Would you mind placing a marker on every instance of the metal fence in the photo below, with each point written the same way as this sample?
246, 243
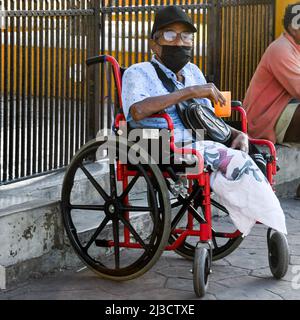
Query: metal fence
43, 108
51, 103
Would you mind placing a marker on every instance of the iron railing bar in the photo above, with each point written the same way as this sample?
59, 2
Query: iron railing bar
62, 160
109, 74
57, 120
130, 36
51, 90
123, 61
136, 40
46, 96
23, 98
102, 67
204, 40
29, 97
1, 102
77, 86
35, 136
117, 32
41, 76
18, 102
143, 31
5, 97
83, 80
11, 111
72, 83
67, 109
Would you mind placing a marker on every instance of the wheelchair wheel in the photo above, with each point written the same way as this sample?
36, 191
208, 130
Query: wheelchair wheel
278, 254
111, 226
201, 271
223, 239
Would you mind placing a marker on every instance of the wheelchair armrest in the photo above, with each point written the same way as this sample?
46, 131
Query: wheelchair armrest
237, 106
181, 151
272, 149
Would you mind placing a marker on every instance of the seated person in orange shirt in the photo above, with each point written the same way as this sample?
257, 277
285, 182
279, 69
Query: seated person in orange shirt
272, 101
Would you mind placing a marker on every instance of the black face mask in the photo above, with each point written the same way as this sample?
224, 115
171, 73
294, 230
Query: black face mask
176, 57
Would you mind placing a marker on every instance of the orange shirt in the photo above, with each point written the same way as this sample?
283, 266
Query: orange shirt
275, 82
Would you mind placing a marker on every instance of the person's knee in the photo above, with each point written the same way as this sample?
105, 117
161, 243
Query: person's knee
293, 131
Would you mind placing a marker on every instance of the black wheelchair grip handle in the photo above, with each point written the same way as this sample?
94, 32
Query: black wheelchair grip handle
236, 104
95, 60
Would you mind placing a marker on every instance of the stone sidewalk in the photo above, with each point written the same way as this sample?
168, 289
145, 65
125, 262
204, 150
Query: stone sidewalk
242, 275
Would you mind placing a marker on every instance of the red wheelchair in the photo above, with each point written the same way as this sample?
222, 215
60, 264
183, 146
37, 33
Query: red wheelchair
120, 217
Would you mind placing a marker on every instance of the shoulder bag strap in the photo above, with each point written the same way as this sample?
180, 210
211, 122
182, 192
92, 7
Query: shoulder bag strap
170, 86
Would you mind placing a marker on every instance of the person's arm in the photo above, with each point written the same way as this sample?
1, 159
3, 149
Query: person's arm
152, 105
286, 70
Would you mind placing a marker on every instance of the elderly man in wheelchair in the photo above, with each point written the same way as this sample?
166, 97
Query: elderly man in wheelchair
172, 219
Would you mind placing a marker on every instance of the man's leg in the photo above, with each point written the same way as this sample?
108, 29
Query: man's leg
293, 131
242, 188
293, 135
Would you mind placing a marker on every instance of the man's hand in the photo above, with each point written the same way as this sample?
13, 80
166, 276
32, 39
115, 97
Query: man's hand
209, 91
240, 141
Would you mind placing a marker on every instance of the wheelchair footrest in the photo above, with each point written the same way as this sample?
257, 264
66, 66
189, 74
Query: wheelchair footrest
102, 243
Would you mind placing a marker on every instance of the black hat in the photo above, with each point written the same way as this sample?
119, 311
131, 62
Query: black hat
168, 15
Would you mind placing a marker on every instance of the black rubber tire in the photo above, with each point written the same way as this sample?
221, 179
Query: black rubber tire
201, 271
279, 256
162, 230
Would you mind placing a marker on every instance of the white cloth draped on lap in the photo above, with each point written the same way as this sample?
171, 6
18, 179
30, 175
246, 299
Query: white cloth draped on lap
242, 188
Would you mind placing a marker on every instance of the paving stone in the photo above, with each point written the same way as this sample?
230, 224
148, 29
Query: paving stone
291, 207
255, 243
255, 285
183, 272
267, 274
94, 294
295, 260
293, 227
248, 259
225, 272
294, 239
246, 294
179, 261
180, 284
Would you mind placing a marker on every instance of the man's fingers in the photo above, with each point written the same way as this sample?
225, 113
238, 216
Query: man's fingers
234, 144
222, 99
218, 94
213, 95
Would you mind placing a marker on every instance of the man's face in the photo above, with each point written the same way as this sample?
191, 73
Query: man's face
295, 33
179, 27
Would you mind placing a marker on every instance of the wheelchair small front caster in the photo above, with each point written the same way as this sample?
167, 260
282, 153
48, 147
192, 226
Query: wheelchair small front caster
201, 271
278, 250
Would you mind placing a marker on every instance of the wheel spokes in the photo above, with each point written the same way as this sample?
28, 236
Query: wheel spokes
129, 187
137, 209
199, 217
87, 207
95, 235
116, 243
94, 183
185, 206
134, 233
112, 178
